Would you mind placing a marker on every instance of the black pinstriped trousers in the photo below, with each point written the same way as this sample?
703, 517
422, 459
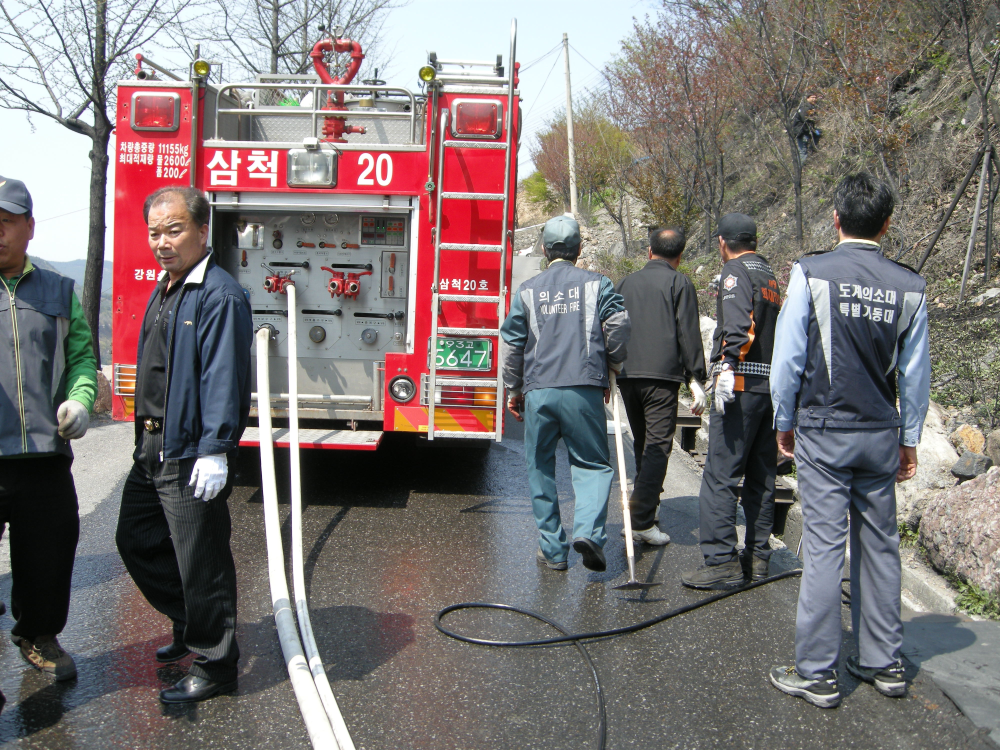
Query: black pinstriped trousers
176, 548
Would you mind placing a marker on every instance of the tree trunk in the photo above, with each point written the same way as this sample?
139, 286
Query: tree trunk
94, 274
797, 184
275, 14
708, 231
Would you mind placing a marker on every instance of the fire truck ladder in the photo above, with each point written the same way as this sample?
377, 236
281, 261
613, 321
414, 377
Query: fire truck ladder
499, 299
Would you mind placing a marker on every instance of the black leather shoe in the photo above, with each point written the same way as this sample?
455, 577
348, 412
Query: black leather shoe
593, 556
192, 689
174, 652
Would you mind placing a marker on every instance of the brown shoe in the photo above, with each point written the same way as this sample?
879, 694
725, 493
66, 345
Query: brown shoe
45, 654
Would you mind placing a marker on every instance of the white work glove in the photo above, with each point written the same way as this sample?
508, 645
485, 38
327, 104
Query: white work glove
700, 398
724, 386
208, 476
73, 418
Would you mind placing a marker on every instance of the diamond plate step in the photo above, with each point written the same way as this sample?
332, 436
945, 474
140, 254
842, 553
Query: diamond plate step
476, 144
468, 331
471, 247
348, 440
473, 196
468, 298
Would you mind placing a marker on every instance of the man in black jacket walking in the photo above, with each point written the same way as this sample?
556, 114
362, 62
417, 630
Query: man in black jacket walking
666, 351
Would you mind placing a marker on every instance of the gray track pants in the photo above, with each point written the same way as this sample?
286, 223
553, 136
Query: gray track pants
841, 473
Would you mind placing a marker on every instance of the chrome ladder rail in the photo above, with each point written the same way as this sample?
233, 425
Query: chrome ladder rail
501, 297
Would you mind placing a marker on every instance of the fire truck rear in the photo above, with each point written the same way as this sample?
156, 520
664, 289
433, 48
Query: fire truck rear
391, 212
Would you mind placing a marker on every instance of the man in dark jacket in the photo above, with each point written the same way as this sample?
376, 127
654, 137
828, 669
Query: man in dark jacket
851, 338
804, 128
192, 400
566, 326
666, 351
741, 443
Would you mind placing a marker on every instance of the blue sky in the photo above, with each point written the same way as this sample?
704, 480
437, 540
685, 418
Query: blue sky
54, 163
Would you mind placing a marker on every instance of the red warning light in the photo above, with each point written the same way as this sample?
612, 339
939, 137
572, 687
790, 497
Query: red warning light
160, 111
477, 119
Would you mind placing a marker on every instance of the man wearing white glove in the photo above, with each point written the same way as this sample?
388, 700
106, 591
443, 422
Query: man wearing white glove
48, 383
665, 352
741, 441
192, 400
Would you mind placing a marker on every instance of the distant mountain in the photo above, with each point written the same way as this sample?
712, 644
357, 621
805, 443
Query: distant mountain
75, 269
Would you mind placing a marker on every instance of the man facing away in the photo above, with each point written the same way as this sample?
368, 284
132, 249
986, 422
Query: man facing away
192, 400
741, 436
48, 383
854, 326
666, 350
566, 326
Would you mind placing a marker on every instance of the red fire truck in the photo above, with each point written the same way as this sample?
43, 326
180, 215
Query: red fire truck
391, 211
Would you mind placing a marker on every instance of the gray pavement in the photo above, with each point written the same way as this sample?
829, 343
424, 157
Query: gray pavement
393, 537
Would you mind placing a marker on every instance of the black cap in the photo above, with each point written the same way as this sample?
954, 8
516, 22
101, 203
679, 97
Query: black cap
736, 227
14, 196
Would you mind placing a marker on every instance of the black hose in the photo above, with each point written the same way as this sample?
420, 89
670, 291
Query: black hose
576, 638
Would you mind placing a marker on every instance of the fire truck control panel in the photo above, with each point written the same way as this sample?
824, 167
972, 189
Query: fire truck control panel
351, 272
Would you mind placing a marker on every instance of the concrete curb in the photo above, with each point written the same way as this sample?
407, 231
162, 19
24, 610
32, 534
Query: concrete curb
923, 588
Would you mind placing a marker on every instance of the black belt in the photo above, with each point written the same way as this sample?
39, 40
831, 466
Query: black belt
152, 424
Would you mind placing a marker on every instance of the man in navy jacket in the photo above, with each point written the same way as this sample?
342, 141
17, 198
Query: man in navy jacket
851, 340
192, 400
565, 328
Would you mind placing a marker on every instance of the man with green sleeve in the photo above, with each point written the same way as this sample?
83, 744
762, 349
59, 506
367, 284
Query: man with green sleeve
565, 328
48, 383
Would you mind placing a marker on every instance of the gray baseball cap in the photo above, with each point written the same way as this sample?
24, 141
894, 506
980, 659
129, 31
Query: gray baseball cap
561, 230
14, 196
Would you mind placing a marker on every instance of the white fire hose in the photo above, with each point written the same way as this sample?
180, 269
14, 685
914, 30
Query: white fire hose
317, 724
298, 572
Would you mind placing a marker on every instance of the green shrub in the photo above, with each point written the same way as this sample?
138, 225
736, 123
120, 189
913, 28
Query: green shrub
908, 537
975, 601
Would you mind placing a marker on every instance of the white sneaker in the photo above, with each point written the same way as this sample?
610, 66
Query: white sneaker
652, 536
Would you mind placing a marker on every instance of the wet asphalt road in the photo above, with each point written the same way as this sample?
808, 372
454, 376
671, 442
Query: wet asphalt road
396, 535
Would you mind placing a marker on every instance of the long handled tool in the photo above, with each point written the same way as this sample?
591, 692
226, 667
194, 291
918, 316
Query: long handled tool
632, 584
